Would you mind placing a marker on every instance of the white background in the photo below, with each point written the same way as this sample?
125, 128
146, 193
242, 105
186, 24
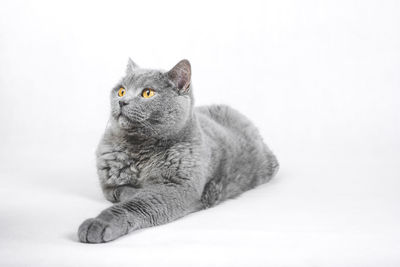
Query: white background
319, 78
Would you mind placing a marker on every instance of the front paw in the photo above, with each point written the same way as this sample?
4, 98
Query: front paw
96, 230
120, 193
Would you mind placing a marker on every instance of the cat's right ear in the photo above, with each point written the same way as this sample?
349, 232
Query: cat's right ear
131, 66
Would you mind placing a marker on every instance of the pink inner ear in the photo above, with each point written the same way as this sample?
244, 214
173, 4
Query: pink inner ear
180, 74
183, 83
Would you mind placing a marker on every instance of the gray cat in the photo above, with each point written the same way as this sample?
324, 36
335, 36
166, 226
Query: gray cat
161, 158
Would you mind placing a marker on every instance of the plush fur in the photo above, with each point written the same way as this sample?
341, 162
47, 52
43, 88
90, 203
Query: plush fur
161, 158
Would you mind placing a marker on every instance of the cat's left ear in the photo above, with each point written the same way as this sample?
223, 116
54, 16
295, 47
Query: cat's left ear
180, 75
131, 66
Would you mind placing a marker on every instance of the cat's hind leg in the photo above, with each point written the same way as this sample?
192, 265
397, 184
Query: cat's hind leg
211, 194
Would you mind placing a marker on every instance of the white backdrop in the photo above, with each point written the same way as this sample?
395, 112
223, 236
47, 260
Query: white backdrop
319, 78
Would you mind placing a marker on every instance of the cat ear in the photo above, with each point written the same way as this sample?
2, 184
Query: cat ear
180, 75
131, 66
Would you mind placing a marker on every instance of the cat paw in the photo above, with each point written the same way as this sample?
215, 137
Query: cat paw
211, 194
95, 230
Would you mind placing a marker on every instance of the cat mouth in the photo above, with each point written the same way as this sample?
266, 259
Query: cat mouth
127, 123
125, 120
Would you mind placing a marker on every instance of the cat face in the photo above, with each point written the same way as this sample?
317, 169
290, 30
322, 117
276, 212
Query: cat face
152, 102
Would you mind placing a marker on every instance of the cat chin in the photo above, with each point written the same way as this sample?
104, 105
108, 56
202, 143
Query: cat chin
125, 123
130, 128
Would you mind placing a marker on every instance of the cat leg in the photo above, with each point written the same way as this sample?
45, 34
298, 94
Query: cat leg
117, 194
148, 207
211, 194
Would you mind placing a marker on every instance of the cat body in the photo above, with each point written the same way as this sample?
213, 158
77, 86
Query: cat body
161, 158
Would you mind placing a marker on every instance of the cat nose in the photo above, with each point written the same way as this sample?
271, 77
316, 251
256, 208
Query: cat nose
122, 103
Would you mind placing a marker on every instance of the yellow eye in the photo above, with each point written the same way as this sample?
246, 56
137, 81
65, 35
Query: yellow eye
147, 93
121, 92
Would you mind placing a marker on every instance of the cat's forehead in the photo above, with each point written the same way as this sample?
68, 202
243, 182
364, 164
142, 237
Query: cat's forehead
145, 78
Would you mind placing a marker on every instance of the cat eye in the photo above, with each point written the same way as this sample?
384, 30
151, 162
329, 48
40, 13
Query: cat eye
147, 93
121, 92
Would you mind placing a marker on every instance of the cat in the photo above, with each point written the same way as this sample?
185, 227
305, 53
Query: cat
161, 158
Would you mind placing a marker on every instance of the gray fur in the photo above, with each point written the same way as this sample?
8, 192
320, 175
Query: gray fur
161, 158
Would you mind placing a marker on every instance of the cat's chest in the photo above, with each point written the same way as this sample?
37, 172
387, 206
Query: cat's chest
126, 167
120, 165
123, 166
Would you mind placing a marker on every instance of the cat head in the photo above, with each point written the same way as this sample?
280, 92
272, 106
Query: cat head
152, 103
